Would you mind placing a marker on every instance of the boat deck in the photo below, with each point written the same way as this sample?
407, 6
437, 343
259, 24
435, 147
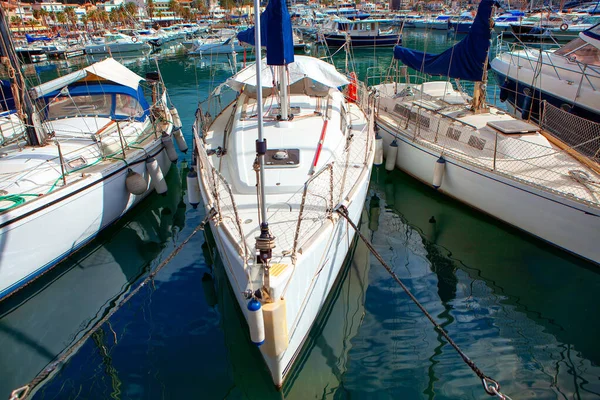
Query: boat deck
326, 187
455, 132
88, 146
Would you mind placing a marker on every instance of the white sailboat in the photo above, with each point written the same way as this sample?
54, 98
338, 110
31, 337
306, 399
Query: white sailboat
273, 199
92, 148
103, 150
515, 171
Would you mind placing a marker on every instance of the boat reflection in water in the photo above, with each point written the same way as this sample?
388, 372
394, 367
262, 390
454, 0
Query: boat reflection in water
37, 323
322, 363
519, 308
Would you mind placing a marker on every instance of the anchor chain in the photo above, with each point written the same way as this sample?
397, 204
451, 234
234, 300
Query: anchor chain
24, 391
491, 386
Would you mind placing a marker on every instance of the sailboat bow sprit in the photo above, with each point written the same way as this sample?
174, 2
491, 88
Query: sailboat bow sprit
317, 149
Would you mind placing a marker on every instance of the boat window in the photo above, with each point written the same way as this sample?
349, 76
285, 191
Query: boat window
581, 51
127, 106
66, 106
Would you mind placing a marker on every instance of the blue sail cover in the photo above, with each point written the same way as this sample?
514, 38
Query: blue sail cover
31, 38
275, 35
465, 60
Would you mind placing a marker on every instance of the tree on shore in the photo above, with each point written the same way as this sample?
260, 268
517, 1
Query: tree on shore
150, 8
71, 16
131, 8
174, 7
61, 18
201, 6
43, 14
92, 16
104, 18
227, 4
186, 14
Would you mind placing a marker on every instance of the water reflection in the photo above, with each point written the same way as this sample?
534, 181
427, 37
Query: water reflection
518, 307
37, 323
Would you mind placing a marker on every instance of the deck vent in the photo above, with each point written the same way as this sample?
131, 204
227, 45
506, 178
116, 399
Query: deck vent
402, 111
476, 142
420, 120
453, 133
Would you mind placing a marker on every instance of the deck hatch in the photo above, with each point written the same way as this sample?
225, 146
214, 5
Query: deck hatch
513, 127
282, 158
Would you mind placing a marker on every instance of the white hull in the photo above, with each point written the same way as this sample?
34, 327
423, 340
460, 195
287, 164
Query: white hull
83, 289
39, 234
331, 245
327, 165
567, 224
337, 324
117, 48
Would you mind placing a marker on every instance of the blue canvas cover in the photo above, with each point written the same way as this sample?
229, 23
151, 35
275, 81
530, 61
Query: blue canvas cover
465, 60
275, 35
7, 101
86, 89
31, 39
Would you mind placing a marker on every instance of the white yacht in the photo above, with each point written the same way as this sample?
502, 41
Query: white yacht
568, 77
273, 171
116, 44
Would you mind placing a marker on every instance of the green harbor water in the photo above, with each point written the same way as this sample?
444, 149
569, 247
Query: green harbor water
522, 310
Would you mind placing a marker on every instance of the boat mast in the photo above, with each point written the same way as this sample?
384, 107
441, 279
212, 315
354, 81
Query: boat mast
265, 242
283, 93
478, 104
261, 144
23, 102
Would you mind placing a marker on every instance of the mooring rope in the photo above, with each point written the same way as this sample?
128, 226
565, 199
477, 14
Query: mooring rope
491, 386
24, 391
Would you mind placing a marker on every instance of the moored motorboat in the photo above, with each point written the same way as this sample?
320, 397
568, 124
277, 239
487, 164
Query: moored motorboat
361, 33
520, 173
117, 43
272, 200
567, 77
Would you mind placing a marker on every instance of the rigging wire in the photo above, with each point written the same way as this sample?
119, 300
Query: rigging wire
491, 386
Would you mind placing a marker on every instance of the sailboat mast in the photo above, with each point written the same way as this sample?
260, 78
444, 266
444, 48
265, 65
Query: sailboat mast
261, 144
23, 102
283, 93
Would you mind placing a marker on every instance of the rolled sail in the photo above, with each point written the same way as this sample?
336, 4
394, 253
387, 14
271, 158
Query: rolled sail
465, 60
275, 35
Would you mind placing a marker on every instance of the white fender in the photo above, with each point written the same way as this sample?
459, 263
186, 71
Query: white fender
256, 322
157, 179
378, 159
135, 183
390, 157
193, 188
176, 120
180, 140
167, 142
438, 172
